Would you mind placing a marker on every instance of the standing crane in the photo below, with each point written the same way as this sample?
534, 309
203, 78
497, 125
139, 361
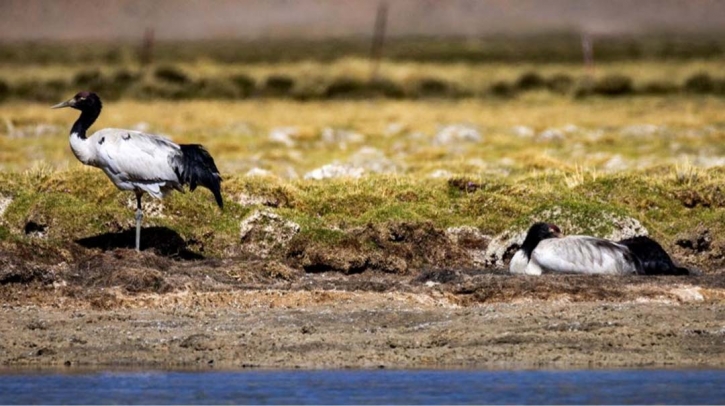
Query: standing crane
138, 161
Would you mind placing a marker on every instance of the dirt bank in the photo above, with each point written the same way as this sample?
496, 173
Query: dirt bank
122, 308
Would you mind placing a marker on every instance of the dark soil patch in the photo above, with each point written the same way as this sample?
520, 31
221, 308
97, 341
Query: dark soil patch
135, 272
397, 248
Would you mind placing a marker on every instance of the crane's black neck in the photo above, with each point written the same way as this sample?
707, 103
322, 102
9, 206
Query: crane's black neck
89, 114
529, 245
537, 233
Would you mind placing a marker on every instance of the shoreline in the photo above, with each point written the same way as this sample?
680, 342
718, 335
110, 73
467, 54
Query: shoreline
342, 322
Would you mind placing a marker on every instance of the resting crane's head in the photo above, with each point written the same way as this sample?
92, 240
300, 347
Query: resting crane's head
537, 233
82, 101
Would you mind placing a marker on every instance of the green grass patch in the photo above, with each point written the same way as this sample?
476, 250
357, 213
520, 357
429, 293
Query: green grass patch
70, 205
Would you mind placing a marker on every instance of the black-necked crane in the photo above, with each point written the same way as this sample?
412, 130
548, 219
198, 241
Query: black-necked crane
545, 250
137, 161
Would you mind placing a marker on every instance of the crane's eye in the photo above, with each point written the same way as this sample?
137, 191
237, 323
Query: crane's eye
81, 99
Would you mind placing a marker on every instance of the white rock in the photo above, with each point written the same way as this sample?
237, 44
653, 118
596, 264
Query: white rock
641, 130
283, 135
335, 170
258, 172
551, 134
708, 161
393, 129
263, 232
688, 294
440, 173
372, 160
522, 131
615, 163
454, 133
508, 241
331, 135
38, 130
624, 227
4, 204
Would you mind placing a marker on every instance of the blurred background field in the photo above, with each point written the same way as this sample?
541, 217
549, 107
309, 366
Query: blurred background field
507, 96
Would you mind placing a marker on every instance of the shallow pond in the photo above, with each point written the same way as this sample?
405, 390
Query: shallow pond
366, 387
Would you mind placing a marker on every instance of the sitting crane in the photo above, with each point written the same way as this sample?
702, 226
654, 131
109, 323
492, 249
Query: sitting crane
137, 161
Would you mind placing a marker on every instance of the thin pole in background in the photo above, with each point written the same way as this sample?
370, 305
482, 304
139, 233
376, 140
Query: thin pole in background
588, 54
146, 54
376, 50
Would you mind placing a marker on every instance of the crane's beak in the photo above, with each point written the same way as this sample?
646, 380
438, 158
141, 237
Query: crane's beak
67, 103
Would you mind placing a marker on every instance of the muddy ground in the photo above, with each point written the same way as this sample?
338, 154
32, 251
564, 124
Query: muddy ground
81, 308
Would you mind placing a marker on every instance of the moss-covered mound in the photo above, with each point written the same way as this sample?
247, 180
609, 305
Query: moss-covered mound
394, 224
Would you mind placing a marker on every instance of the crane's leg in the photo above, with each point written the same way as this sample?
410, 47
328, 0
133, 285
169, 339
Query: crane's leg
139, 217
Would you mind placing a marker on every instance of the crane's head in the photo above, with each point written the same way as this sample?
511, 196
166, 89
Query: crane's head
537, 233
82, 101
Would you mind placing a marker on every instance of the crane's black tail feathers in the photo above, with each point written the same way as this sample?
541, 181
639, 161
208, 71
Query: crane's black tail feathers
198, 169
654, 259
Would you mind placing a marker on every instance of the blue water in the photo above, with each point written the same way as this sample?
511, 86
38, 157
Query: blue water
367, 387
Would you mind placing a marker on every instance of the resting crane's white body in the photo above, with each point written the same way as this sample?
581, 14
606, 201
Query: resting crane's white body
577, 254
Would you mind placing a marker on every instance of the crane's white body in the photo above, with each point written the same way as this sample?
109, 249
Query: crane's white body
133, 160
577, 254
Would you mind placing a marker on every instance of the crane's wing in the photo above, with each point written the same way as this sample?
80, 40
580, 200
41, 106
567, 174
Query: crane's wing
135, 156
584, 254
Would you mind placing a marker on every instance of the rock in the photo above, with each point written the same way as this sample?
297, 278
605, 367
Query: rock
688, 294
335, 170
283, 135
258, 172
263, 232
616, 163
551, 134
394, 129
472, 240
372, 160
624, 227
522, 131
455, 133
331, 135
32, 131
440, 174
502, 248
641, 130
4, 204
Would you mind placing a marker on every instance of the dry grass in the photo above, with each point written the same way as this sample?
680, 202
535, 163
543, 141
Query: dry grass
538, 131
